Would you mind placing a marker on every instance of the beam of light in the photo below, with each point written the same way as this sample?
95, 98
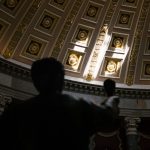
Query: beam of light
101, 53
121, 55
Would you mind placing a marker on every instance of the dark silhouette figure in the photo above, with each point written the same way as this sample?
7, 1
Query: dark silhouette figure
52, 120
109, 87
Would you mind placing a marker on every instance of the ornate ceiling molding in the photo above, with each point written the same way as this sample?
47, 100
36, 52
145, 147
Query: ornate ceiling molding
14, 70
18, 71
98, 90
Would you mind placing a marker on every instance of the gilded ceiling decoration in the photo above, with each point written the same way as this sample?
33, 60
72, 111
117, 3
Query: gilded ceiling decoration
73, 60
47, 22
94, 39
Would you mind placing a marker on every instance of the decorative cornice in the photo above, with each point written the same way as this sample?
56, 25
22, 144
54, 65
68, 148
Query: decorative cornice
14, 70
17, 71
98, 90
6, 91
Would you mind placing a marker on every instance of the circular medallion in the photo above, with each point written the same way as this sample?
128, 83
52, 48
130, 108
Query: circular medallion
117, 42
34, 48
112, 66
124, 19
47, 22
73, 59
92, 11
82, 35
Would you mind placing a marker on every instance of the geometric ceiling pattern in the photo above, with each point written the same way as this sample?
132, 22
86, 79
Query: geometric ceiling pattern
94, 39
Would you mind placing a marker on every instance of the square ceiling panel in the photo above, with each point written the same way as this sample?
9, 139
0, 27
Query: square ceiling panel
92, 12
34, 48
82, 35
11, 6
73, 60
111, 67
124, 20
47, 22
118, 42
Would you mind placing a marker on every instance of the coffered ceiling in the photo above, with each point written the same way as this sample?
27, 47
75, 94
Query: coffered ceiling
94, 39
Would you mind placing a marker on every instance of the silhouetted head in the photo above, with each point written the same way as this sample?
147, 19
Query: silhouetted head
48, 75
109, 87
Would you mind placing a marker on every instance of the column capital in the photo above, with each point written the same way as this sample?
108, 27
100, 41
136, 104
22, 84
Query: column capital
131, 124
132, 121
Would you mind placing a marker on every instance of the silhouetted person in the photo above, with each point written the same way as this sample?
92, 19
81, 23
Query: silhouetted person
109, 90
52, 120
109, 87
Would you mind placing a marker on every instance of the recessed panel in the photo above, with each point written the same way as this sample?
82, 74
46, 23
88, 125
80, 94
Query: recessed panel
124, 19
47, 22
82, 35
11, 6
34, 48
73, 60
111, 67
118, 43
92, 12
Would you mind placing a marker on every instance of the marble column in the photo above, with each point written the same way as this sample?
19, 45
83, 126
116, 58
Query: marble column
132, 133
